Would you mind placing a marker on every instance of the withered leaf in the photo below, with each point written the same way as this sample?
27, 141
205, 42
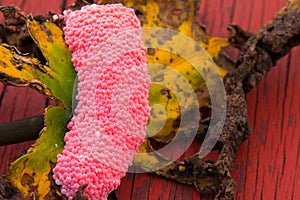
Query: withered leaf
172, 72
31, 174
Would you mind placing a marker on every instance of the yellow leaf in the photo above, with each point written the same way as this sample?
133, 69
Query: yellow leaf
31, 173
20, 70
178, 16
168, 94
170, 72
147, 159
59, 75
55, 78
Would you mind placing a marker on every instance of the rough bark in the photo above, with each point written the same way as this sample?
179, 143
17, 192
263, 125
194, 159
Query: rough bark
21, 130
259, 52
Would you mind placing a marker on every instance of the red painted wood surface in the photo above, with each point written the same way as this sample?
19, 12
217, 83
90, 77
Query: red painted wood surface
267, 165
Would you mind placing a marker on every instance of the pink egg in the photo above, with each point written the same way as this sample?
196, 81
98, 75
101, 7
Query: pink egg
110, 119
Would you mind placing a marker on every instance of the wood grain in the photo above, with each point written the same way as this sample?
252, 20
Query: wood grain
267, 165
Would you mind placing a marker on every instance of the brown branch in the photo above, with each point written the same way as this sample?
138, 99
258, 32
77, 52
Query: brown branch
268, 45
21, 130
259, 53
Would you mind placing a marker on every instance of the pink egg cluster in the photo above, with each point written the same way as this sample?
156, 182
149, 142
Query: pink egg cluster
110, 119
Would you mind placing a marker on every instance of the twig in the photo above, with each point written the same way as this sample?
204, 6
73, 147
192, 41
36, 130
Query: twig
21, 130
258, 55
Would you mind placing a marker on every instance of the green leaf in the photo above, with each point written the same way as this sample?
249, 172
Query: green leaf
55, 78
60, 74
31, 173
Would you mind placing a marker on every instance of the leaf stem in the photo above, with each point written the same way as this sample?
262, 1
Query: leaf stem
21, 130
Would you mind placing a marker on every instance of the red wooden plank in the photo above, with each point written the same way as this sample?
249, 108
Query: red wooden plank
69, 2
21, 103
147, 181
10, 153
18, 103
36, 7
243, 16
141, 186
244, 12
263, 145
161, 188
271, 8
288, 180
216, 15
1, 91
253, 188
125, 189
267, 164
